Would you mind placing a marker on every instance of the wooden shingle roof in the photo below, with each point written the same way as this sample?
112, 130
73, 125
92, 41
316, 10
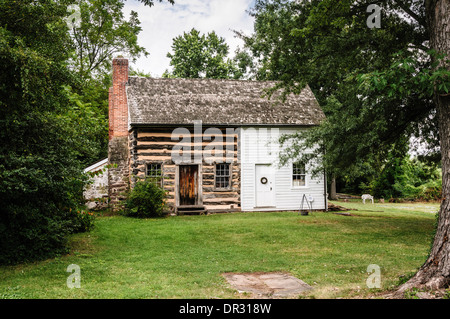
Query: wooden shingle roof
216, 102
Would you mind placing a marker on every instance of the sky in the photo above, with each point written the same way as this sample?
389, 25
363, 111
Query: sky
163, 22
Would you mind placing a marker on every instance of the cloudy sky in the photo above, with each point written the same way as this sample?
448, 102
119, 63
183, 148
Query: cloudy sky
163, 22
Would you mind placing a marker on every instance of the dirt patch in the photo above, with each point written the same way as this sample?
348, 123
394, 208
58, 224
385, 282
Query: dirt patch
337, 208
272, 284
344, 214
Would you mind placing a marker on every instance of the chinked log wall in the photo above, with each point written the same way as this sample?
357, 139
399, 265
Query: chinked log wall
154, 145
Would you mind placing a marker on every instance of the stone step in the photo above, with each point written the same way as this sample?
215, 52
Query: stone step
192, 212
190, 207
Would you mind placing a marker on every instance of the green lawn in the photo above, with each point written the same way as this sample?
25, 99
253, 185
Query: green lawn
184, 257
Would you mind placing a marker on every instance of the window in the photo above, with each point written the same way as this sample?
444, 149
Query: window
222, 177
298, 175
154, 172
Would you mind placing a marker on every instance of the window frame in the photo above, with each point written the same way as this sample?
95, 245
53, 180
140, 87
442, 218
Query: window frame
293, 174
230, 175
147, 170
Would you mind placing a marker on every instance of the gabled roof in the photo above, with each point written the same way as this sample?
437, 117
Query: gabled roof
216, 102
96, 165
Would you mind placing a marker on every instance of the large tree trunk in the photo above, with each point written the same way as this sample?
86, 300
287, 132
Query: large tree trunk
435, 272
333, 194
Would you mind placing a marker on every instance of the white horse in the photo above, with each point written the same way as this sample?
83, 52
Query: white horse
367, 196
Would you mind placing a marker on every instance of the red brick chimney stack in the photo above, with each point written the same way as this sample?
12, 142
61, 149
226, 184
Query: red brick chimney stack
118, 151
118, 107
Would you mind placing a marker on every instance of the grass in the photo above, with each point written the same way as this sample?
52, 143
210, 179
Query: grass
184, 257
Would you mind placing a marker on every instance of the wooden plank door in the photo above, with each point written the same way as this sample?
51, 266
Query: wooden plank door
188, 185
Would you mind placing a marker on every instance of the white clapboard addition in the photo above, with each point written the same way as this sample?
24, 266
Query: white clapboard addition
264, 185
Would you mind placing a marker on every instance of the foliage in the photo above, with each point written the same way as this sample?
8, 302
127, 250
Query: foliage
244, 64
151, 2
418, 181
137, 72
53, 116
89, 123
147, 199
41, 179
83, 221
328, 45
102, 33
406, 178
197, 56
410, 84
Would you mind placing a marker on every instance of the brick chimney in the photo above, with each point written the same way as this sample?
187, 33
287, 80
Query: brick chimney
118, 107
118, 151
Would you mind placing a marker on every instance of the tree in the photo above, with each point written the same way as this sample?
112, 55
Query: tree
88, 122
435, 272
47, 130
152, 2
327, 46
377, 86
102, 33
41, 181
433, 82
196, 56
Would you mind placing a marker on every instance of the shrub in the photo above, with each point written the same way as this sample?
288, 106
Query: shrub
147, 199
28, 233
43, 139
83, 221
408, 179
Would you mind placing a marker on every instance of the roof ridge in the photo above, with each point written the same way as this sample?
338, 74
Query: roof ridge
202, 79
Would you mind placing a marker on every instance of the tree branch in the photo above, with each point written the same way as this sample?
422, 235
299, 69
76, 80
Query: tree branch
412, 14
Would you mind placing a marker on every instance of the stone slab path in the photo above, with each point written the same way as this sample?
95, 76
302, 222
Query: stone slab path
275, 284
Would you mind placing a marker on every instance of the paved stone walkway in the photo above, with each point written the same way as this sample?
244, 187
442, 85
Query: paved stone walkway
267, 284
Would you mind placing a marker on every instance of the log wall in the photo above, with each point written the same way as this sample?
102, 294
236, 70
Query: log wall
155, 145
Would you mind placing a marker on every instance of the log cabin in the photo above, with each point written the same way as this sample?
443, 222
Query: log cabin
210, 143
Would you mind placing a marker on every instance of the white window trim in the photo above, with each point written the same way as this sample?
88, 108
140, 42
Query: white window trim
230, 183
292, 178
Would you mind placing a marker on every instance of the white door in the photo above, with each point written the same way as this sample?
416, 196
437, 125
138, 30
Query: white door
265, 185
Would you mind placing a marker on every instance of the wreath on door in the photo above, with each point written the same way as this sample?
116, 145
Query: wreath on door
263, 180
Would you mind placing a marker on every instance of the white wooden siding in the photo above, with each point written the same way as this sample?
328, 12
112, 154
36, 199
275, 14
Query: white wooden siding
260, 146
99, 187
